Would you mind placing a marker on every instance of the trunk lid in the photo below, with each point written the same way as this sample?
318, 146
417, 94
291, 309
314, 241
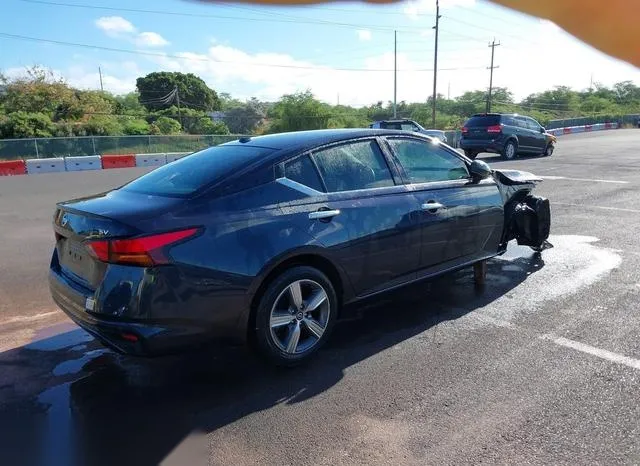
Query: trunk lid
106, 215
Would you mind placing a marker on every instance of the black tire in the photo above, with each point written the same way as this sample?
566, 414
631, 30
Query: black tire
471, 154
548, 151
269, 343
510, 150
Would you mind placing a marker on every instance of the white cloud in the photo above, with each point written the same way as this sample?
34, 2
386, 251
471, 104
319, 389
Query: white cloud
364, 34
115, 25
415, 8
119, 27
150, 39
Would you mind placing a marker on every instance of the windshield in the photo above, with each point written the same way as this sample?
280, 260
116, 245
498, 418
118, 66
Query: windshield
189, 174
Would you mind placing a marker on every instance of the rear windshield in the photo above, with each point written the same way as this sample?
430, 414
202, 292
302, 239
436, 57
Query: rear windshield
489, 120
189, 174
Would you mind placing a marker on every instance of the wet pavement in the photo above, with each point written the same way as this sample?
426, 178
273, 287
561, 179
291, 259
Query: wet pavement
529, 368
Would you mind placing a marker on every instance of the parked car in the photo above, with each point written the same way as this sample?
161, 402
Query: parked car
269, 239
409, 125
505, 134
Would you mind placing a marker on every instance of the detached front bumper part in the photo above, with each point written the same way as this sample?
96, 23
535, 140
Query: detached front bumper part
532, 221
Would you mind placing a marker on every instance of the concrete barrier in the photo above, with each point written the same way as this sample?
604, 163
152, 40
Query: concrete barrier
12, 167
173, 156
118, 161
50, 165
150, 160
81, 163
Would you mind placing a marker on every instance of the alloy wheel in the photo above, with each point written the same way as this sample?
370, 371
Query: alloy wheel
299, 316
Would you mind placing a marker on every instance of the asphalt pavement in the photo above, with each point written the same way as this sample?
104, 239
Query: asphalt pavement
539, 366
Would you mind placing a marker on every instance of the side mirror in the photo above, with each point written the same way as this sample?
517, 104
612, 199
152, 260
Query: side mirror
542, 129
479, 170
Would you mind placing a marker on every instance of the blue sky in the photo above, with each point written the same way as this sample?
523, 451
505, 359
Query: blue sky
338, 50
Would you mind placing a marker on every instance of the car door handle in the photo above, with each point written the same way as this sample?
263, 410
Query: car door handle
320, 214
432, 206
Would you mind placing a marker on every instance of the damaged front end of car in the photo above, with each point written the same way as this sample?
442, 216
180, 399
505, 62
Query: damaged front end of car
527, 216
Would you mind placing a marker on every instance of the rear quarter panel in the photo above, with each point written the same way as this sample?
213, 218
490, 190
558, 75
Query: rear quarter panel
245, 236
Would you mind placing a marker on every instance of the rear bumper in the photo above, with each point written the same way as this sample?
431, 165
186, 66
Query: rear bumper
482, 145
128, 336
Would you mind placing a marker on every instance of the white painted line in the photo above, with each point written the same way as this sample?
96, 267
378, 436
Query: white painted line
44, 315
592, 350
550, 177
617, 209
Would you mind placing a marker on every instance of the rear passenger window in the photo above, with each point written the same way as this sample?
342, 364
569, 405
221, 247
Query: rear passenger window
304, 172
358, 165
507, 120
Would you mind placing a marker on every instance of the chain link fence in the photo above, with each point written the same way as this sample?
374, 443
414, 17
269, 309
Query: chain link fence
39, 148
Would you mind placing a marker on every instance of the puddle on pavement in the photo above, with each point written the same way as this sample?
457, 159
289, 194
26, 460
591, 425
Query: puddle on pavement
574, 263
73, 366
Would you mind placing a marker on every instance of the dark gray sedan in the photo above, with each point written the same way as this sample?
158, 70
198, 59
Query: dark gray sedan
268, 240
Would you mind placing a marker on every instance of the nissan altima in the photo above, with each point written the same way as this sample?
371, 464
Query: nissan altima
268, 240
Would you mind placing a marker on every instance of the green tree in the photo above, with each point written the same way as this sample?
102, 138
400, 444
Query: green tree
299, 111
243, 119
135, 127
36, 92
129, 104
26, 125
560, 99
205, 125
83, 104
102, 125
160, 90
166, 125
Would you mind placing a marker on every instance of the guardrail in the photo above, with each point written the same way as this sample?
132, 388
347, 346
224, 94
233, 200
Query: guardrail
45, 148
582, 128
86, 162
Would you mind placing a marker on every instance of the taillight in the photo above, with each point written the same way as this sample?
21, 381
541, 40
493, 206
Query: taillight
494, 129
144, 251
464, 130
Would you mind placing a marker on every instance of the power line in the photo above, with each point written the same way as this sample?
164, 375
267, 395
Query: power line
286, 18
207, 59
161, 100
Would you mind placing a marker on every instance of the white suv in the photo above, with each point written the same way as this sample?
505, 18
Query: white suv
409, 125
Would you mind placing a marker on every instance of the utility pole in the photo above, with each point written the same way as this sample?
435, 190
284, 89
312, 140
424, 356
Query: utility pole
435, 65
100, 73
591, 84
449, 91
179, 109
395, 72
493, 46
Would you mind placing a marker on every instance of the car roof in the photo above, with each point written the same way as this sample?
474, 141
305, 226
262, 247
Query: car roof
301, 140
